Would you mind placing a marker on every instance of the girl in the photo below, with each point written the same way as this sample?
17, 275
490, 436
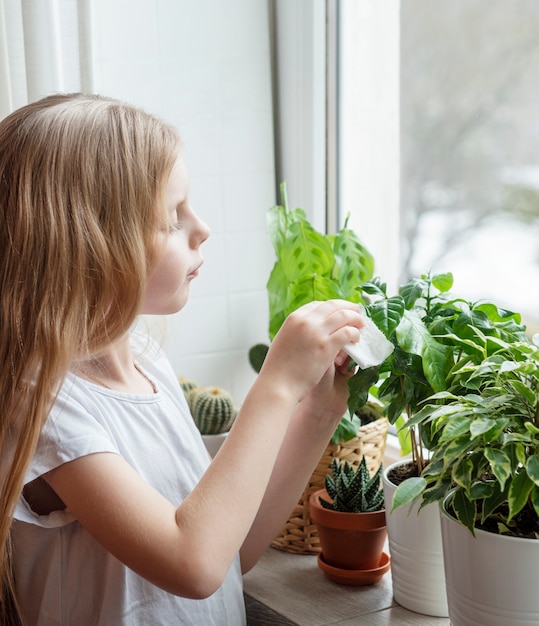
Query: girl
111, 512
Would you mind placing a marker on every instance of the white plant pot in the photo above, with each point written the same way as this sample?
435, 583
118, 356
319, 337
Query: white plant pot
491, 579
415, 545
214, 442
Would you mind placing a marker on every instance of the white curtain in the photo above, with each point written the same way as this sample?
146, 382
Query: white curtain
45, 47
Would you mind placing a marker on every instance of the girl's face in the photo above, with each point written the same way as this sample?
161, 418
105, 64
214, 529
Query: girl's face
168, 286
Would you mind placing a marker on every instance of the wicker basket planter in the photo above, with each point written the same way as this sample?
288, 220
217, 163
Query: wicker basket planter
299, 534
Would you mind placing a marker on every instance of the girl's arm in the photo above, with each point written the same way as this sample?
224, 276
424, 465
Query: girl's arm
189, 549
307, 437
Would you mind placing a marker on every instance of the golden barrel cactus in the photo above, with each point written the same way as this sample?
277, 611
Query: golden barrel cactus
213, 409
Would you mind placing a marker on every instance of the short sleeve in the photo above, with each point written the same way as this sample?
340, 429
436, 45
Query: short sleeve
70, 432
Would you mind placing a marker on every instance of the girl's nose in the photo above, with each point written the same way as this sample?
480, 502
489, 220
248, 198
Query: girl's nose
201, 232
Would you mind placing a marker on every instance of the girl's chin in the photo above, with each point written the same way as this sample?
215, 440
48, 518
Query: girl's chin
175, 305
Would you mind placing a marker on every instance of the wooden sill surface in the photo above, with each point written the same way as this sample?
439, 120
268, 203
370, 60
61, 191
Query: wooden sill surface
290, 590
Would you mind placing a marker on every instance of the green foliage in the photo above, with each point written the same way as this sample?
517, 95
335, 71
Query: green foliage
436, 335
484, 437
257, 354
353, 491
312, 266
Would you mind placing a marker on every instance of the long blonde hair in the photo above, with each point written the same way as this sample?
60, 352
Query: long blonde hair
82, 183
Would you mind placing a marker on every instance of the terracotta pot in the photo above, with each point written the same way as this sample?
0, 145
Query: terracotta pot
349, 540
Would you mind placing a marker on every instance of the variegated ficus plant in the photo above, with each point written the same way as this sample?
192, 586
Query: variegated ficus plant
485, 442
467, 379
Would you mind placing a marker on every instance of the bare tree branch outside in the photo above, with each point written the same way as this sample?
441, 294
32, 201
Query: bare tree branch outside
470, 144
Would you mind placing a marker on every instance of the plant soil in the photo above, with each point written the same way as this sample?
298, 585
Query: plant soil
525, 524
400, 473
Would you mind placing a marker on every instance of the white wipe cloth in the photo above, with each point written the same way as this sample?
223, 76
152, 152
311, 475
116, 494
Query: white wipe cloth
372, 348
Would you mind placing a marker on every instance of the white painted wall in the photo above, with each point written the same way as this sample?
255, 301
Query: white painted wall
205, 66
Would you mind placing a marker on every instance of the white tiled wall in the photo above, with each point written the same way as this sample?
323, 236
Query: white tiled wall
204, 65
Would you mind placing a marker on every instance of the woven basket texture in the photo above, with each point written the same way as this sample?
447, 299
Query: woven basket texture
299, 534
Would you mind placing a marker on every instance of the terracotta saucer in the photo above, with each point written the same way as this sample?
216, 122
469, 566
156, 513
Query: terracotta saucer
355, 576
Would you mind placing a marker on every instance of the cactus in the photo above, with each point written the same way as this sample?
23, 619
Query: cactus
353, 491
212, 408
187, 385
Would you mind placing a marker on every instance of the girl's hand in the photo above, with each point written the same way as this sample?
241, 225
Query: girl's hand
303, 353
327, 401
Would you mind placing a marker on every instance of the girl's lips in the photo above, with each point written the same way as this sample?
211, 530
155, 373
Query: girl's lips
194, 273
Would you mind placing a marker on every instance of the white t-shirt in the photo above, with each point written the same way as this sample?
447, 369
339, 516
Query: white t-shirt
63, 576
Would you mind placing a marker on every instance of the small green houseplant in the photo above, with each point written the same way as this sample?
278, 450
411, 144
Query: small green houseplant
213, 411
351, 490
212, 408
350, 517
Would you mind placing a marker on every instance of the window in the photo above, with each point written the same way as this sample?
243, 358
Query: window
439, 102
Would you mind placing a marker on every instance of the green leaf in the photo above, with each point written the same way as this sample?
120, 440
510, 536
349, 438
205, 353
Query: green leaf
462, 473
277, 287
495, 500
524, 390
481, 490
454, 450
257, 355
358, 387
480, 426
387, 314
464, 510
414, 337
519, 490
405, 440
407, 491
414, 289
534, 498
532, 467
306, 252
531, 428
500, 464
308, 289
279, 219
354, 263
455, 427
443, 282
347, 428
496, 314
436, 493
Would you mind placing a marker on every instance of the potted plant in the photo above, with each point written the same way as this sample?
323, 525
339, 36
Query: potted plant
484, 470
311, 266
350, 517
434, 333
213, 410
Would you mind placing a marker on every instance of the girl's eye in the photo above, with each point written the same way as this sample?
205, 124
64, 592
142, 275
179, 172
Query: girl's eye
174, 228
